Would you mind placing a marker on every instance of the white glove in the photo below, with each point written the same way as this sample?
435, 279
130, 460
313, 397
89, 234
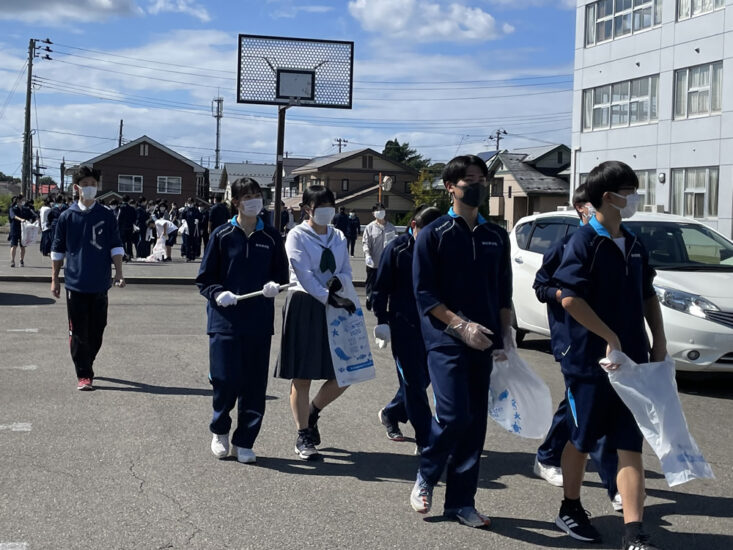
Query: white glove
382, 335
225, 299
369, 262
271, 289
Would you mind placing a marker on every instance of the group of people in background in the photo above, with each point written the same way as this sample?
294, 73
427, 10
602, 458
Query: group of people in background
442, 296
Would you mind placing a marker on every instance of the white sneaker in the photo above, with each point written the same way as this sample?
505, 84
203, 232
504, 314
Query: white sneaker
551, 474
245, 456
616, 502
220, 445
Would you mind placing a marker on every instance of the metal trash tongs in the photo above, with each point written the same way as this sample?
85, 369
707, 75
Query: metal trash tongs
240, 297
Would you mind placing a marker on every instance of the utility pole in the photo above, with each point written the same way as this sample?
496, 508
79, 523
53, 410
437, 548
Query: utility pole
119, 140
497, 137
27, 153
37, 173
217, 111
341, 143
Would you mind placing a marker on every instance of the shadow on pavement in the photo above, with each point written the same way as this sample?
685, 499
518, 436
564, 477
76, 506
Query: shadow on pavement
9, 299
141, 387
706, 384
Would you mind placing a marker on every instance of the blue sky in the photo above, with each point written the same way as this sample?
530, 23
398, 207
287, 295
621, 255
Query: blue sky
440, 74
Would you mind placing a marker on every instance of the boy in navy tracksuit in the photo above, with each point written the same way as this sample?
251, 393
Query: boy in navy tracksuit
242, 256
606, 284
547, 461
463, 289
393, 303
87, 237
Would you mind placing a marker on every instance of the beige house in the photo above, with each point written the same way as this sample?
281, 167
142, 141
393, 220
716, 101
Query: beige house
353, 177
528, 181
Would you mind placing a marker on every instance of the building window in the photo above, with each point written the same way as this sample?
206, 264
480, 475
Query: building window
609, 19
143, 149
367, 161
407, 187
692, 8
621, 104
344, 185
647, 188
695, 192
496, 187
169, 185
582, 178
129, 184
698, 90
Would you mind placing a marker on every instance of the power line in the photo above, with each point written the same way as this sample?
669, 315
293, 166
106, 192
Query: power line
18, 80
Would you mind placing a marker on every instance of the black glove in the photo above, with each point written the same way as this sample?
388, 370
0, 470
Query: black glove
334, 285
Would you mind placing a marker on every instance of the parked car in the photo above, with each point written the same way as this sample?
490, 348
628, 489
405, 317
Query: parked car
694, 282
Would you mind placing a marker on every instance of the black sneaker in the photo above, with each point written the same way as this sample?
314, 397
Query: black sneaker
574, 521
393, 429
641, 542
304, 446
313, 427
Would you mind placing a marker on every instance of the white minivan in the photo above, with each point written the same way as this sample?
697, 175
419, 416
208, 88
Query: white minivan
694, 282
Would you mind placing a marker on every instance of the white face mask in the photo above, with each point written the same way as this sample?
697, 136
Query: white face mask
323, 215
379, 214
251, 207
88, 192
632, 201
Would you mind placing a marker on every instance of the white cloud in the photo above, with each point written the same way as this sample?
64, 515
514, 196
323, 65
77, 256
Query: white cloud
290, 10
427, 21
520, 4
189, 7
58, 12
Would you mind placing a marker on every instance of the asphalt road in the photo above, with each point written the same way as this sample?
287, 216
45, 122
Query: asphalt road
129, 465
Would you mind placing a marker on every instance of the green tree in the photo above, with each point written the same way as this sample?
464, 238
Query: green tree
423, 192
401, 152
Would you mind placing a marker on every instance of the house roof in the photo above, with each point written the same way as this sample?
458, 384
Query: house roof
486, 156
534, 154
196, 167
261, 173
320, 163
215, 178
530, 179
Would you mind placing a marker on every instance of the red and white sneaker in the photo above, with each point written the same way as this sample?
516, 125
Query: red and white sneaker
84, 384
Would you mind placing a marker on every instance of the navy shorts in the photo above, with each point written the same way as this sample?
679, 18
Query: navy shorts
171, 240
595, 410
15, 240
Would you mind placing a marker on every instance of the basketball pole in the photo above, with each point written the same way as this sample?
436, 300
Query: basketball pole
279, 164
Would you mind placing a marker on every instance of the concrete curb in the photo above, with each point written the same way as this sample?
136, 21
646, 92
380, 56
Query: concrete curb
183, 281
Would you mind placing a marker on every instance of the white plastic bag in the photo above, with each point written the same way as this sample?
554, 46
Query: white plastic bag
349, 340
29, 232
519, 400
650, 392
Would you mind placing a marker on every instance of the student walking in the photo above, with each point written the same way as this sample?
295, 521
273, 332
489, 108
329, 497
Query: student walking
463, 289
399, 323
352, 231
548, 458
87, 238
192, 217
317, 255
46, 234
376, 236
607, 292
15, 216
243, 256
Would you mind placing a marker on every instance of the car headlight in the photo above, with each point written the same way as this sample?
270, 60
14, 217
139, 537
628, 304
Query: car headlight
684, 301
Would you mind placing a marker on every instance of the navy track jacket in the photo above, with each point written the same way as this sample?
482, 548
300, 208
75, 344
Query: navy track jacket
393, 296
615, 286
467, 271
239, 264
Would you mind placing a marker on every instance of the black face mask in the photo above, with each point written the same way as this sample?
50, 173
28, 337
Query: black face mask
473, 194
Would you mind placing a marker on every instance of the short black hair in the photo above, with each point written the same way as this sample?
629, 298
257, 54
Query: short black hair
378, 206
86, 172
125, 198
609, 177
425, 215
316, 195
458, 166
114, 202
580, 196
244, 186
60, 199
342, 209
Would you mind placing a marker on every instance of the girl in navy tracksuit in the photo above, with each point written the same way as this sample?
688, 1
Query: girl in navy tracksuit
393, 303
242, 256
463, 289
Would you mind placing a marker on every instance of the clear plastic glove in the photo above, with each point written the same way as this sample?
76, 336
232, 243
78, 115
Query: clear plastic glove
369, 262
382, 336
472, 334
271, 289
225, 299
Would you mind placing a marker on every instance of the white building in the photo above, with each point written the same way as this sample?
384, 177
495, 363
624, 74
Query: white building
650, 77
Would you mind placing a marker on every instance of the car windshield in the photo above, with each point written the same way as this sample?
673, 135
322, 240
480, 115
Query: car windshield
683, 246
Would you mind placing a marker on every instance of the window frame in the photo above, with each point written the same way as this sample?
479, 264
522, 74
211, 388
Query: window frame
679, 201
344, 184
689, 89
166, 182
589, 105
133, 189
616, 14
717, 5
648, 190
